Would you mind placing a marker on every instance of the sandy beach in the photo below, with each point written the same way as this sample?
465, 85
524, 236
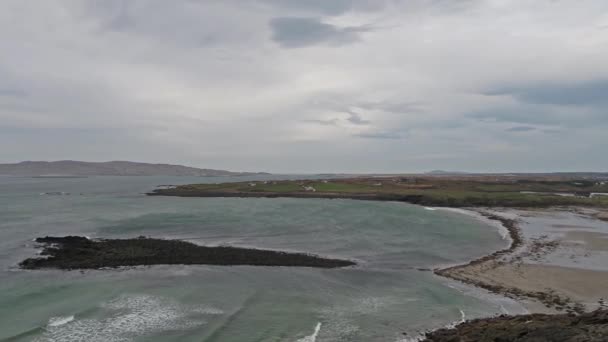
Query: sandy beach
559, 261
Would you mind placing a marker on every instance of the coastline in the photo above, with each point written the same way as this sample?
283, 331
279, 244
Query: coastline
546, 289
523, 271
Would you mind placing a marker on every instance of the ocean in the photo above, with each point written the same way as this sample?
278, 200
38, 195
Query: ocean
387, 297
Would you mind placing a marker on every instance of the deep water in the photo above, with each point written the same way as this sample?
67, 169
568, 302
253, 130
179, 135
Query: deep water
378, 300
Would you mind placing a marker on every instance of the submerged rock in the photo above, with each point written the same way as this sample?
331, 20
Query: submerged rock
76, 252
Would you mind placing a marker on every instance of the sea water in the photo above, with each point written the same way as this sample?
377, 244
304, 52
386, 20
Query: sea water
388, 296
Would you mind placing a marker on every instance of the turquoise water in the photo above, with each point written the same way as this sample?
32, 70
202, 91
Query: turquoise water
382, 298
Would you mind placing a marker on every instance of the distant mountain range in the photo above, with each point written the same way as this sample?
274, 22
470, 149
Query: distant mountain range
112, 168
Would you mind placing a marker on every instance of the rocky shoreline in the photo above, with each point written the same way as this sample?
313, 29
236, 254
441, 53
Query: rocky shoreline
547, 298
76, 252
587, 327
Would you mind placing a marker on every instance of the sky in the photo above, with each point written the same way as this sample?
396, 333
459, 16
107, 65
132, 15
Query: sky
307, 86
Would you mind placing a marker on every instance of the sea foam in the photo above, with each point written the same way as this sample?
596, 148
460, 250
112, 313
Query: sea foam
57, 321
313, 337
127, 318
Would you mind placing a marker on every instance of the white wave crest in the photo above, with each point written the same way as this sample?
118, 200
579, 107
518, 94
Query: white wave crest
313, 337
57, 321
127, 318
463, 319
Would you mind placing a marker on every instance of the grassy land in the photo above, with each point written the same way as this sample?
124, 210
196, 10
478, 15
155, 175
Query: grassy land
437, 191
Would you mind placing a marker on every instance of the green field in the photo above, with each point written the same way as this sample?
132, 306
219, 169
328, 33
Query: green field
426, 191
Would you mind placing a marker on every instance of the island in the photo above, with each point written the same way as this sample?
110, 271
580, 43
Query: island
77, 252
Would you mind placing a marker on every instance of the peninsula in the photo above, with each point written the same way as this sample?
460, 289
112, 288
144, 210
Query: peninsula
428, 190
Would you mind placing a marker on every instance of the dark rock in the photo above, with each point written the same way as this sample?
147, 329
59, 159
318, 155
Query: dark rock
76, 252
588, 327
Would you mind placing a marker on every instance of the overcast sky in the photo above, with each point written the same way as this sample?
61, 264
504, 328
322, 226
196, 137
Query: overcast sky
308, 85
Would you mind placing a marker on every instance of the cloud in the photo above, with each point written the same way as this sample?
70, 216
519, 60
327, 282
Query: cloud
521, 129
395, 107
356, 119
12, 92
296, 32
518, 114
380, 135
586, 93
307, 86
325, 7
328, 122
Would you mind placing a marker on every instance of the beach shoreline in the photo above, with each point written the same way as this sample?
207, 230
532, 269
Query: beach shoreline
523, 272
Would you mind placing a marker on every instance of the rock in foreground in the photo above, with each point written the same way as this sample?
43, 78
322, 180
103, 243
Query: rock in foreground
588, 327
75, 252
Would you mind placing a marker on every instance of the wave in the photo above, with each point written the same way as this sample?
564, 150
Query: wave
313, 337
58, 321
128, 318
463, 318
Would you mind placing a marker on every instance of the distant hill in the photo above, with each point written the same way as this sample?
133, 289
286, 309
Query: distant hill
112, 168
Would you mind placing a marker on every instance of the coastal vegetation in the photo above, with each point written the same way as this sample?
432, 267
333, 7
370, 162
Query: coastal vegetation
461, 191
76, 252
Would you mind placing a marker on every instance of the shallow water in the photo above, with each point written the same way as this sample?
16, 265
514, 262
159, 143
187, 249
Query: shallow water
378, 300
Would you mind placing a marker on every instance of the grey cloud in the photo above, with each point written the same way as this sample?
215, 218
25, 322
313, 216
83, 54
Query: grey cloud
353, 118
380, 135
327, 7
178, 81
11, 85
552, 131
589, 93
329, 122
543, 115
395, 107
521, 129
356, 119
517, 115
453, 6
113, 15
12, 92
295, 32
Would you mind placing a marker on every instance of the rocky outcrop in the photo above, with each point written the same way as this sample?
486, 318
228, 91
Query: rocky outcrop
588, 327
75, 252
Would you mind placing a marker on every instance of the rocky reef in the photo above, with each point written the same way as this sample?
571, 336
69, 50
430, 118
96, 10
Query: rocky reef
76, 252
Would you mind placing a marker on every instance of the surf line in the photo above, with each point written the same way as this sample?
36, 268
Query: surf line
58, 321
463, 318
313, 337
